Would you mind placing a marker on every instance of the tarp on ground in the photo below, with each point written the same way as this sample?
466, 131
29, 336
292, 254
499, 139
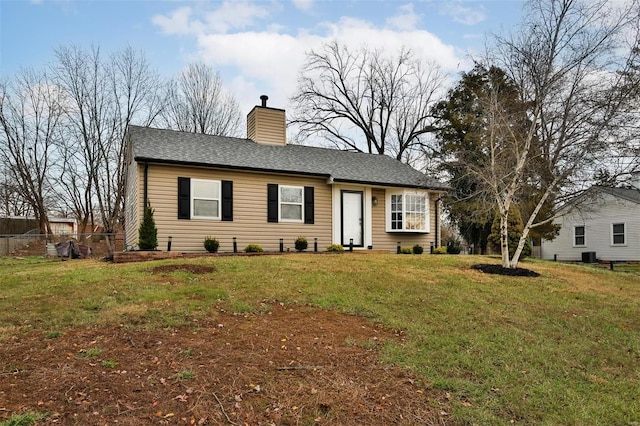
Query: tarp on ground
72, 250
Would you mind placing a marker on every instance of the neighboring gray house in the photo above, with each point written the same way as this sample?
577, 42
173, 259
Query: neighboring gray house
605, 226
260, 190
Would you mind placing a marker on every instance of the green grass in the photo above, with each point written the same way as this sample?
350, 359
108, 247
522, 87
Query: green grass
185, 375
24, 419
89, 353
563, 348
109, 363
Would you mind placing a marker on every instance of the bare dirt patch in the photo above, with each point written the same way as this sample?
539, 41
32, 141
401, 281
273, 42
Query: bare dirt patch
293, 365
193, 269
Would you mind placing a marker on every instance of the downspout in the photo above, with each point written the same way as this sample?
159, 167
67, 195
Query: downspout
437, 222
437, 203
145, 186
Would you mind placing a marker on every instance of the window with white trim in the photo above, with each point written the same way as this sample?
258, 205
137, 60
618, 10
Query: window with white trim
407, 211
205, 199
618, 234
579, 236
291, 200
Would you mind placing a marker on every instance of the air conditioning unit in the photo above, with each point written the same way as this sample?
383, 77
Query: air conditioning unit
589, 257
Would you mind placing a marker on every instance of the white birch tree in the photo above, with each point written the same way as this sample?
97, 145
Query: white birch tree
569, 59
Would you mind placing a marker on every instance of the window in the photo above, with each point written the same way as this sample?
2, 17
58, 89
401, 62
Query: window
579, 236
205, 199
291, 203
617, 234
396, 211
408, 211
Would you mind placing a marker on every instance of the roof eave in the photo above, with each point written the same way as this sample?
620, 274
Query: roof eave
227, 167
141, 159
393, 184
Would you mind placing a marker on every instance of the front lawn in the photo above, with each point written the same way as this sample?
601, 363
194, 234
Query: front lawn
561, 348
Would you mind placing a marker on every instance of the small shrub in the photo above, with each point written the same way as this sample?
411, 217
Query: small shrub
148, 233
109, 364
417, 249
211, 244
54, 334
335, 248
253, 248
454, 248
405, 250
440, 250
301, 244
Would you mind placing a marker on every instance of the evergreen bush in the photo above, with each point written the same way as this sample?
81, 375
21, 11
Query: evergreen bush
148, 233
211, 244
253, 248
301, 244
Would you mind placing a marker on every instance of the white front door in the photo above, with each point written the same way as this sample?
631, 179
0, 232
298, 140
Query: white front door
351, 218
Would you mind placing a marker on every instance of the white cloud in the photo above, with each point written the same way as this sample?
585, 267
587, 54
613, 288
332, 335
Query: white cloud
178, 22
303, 5
406, 19
230, 15
463, 14
268, 60
235, 15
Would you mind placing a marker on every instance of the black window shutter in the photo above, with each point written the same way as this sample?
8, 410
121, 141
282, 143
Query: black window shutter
272, 202
308, 204
184, 198
227, 200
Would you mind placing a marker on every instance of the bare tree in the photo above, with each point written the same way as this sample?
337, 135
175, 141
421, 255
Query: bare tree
11, 202
31, 112
568, 60
367, 101
198, 102
104, 97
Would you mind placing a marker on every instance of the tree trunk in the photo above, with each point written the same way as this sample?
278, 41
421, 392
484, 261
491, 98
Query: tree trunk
504, 240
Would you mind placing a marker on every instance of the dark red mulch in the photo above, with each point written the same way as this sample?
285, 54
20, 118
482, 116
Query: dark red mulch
499, 270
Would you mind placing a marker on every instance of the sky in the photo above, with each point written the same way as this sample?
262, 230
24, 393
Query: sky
257, 46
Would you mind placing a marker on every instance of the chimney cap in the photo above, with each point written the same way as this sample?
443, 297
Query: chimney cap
264, 98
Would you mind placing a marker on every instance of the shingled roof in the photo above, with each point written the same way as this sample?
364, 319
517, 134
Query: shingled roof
629, 194
174, 147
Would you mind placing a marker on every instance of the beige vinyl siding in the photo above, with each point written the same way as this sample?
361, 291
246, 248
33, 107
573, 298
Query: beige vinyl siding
133, 202
249, 223
383, 240
267, 126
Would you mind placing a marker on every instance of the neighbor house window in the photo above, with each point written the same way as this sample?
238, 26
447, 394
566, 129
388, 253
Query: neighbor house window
408, 211
291, 203
205, 199
617, 234
579, 236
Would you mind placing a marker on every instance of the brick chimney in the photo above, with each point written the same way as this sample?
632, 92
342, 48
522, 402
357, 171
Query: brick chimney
267, 125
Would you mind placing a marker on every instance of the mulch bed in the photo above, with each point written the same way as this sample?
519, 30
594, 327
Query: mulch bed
499, 270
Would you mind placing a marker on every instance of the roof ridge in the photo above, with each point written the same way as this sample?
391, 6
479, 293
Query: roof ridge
151, 144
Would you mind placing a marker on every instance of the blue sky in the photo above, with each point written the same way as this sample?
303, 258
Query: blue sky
258, 46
